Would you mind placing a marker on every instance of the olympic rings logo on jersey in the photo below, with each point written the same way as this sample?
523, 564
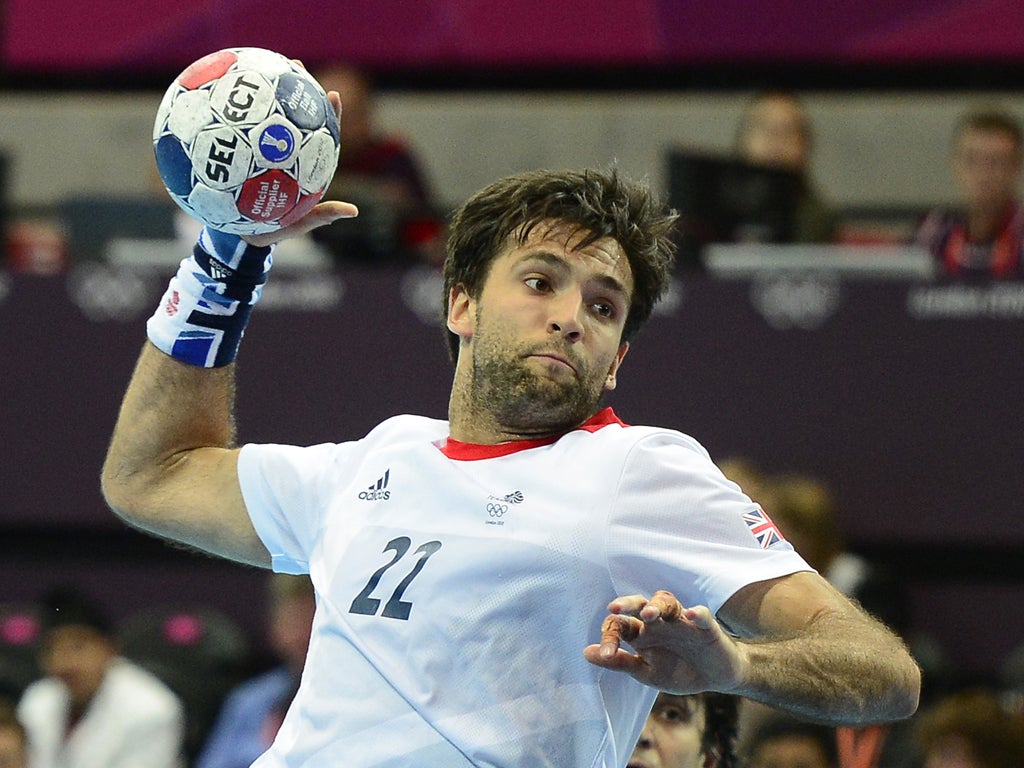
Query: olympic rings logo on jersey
496, 510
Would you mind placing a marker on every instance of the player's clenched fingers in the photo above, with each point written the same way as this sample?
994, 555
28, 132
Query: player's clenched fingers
335, 98
618, 629
663, 605
628, 604
701, 616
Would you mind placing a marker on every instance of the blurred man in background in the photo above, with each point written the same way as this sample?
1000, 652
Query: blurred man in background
252, 713
95, 709
380, 173
983, 237
775, 131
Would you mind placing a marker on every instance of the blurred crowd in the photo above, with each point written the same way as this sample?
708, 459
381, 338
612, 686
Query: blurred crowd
979, 234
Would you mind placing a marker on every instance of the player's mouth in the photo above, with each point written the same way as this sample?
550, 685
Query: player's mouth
555, 359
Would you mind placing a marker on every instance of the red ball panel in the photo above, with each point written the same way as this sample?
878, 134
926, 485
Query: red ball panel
269, 196
304, 206
206, 69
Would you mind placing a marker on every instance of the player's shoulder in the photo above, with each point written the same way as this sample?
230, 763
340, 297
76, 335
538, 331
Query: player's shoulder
613, 432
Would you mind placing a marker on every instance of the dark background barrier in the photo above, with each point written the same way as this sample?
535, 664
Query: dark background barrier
905, 397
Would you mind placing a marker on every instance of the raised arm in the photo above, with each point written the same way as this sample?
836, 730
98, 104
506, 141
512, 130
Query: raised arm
171, 468
801, 647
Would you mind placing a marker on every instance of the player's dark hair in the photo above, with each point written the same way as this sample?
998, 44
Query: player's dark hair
990, 120
721, 713
597, 204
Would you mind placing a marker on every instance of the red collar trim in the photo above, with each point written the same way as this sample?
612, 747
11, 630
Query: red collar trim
460, 451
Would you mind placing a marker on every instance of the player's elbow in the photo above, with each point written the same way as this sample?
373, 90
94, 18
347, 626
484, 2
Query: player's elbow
124, 491
907, 690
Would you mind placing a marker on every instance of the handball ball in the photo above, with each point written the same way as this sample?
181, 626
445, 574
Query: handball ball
246, 141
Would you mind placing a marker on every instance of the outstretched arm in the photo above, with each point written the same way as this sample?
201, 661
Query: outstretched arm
803, 647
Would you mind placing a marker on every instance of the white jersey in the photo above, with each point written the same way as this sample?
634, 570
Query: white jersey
457, 585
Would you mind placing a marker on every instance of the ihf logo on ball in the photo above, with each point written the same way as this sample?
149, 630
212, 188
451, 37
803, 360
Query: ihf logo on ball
275, 144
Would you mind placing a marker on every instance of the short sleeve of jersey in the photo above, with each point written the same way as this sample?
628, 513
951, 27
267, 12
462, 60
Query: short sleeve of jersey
679, 524
284, 491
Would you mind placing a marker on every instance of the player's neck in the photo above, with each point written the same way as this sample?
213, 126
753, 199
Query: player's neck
471, 421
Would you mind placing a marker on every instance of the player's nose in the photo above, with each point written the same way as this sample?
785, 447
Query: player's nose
566, 315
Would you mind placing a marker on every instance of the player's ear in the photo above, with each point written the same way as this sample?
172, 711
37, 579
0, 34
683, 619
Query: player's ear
461, 313
610, 381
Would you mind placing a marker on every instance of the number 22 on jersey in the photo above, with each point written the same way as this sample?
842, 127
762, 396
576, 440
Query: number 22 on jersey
395, 607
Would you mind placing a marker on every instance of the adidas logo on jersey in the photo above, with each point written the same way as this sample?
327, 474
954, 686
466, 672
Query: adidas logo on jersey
379, 490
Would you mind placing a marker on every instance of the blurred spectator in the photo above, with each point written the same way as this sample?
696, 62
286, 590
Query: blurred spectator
95, 708
775, 131
252, 713
378, 172
13, 740
984, 235
696, 731
751, 479
970, 730
1011, 679
805, 510
781, 741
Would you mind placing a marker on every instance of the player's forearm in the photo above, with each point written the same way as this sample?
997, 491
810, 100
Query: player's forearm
169, 409
844, 670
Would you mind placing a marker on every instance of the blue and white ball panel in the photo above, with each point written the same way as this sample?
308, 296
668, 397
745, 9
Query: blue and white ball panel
317, 162
243, 97
175, 166
275, 143
190, 114
302, 102
216, 206
221, 158
270, 63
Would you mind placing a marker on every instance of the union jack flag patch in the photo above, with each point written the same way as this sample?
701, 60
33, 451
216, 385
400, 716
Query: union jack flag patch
764, 530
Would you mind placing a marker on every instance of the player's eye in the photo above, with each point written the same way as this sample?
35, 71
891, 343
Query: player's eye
604, 309
538, 283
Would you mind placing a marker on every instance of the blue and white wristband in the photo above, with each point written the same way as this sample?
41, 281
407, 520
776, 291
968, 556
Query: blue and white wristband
202, 315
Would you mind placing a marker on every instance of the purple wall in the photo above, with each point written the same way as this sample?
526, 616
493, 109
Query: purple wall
64, 36
914, 415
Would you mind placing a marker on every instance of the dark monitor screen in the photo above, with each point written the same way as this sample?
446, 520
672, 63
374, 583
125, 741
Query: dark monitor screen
726, 200
93, 221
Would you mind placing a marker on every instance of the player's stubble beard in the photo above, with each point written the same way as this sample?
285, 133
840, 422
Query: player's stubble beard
519, 399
